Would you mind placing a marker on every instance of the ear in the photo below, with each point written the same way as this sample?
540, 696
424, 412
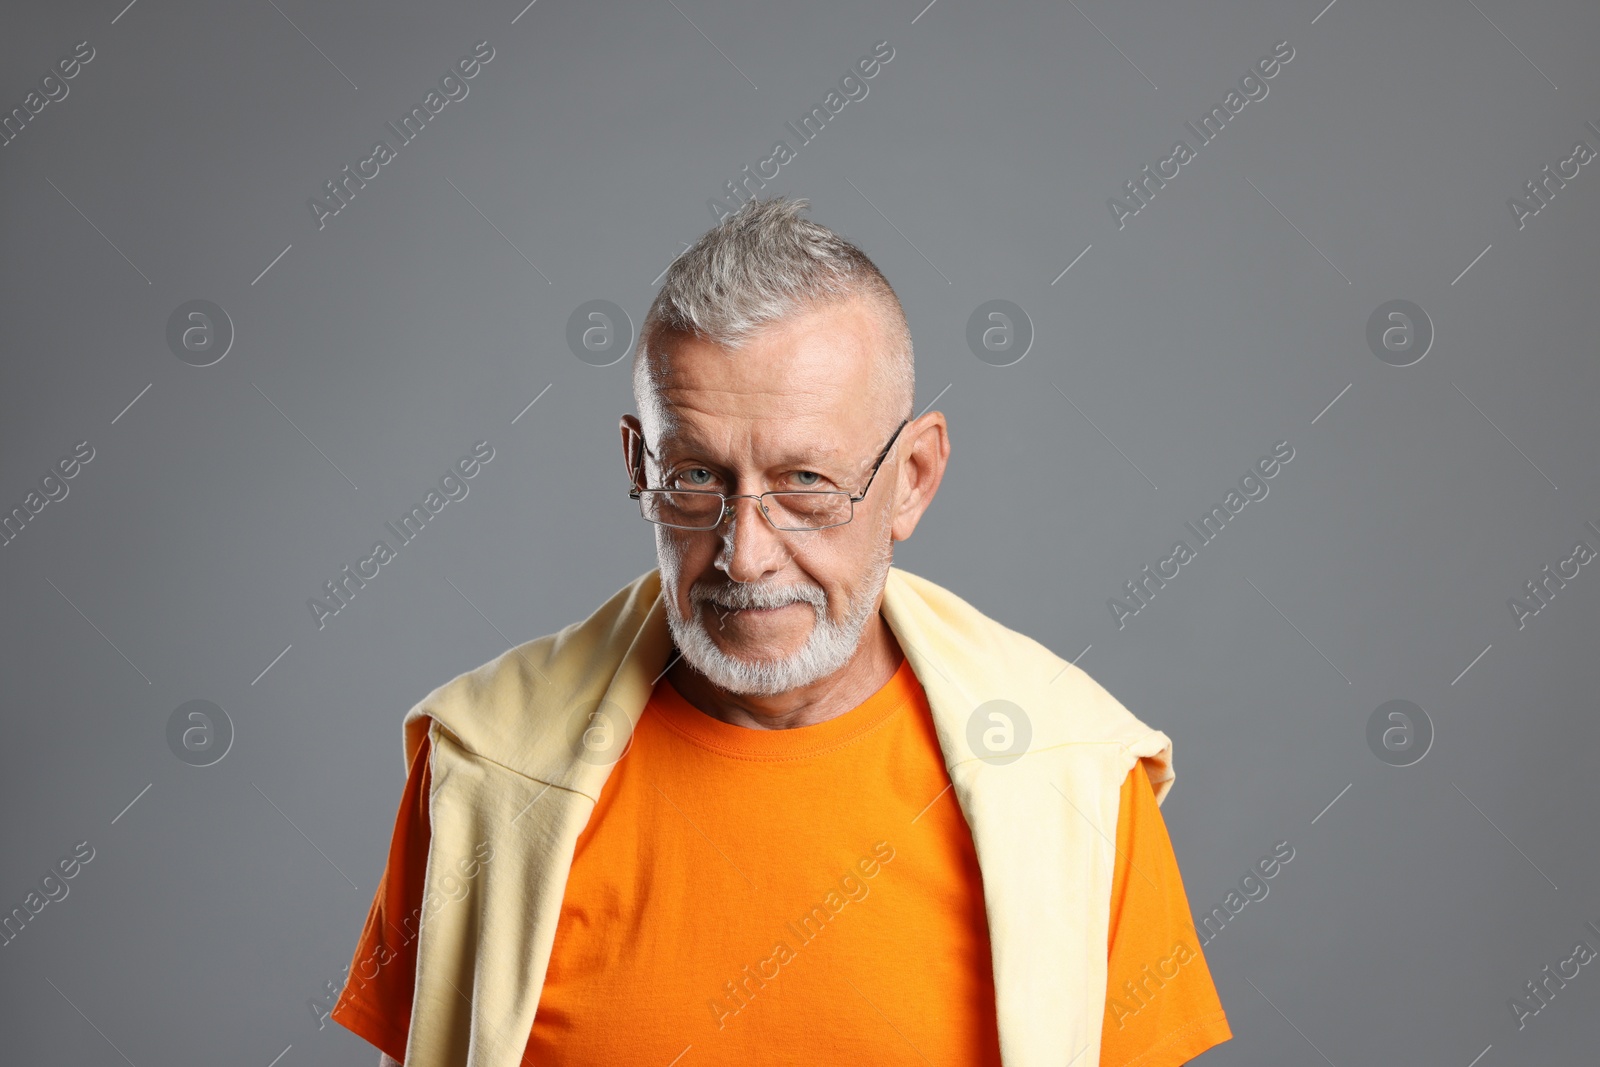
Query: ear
633, 449
920, 469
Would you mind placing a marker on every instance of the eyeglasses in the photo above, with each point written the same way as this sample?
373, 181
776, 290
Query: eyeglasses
790, 510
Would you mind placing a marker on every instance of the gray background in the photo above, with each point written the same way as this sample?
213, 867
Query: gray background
1175, 352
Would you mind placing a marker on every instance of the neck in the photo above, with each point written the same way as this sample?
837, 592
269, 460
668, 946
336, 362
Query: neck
876, 659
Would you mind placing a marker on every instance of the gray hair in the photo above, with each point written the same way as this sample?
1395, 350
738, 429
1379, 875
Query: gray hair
761, 264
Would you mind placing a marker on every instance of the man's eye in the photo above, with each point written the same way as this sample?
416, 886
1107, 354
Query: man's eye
690, 481
802, 475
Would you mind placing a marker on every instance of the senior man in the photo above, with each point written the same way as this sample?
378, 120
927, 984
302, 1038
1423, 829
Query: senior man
777, 800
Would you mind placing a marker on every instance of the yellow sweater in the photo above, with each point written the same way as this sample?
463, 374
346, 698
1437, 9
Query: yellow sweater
511, 766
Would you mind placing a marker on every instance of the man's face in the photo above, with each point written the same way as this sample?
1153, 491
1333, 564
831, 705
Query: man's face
755, 609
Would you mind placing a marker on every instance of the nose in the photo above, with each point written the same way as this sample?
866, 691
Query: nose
752, 548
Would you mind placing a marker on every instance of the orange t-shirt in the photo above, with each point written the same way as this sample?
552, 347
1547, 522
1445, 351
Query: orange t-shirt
807, 895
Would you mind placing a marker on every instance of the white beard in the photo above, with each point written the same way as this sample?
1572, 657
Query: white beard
828, 648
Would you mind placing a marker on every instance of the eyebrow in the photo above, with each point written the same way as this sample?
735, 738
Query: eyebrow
670, 446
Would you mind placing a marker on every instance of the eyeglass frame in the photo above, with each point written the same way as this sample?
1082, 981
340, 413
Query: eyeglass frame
636, 493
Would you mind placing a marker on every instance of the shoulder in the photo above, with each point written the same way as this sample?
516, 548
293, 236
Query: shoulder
1063, 703
502, 707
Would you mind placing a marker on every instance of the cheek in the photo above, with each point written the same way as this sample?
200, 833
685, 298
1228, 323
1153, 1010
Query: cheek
686, 553
833, 568
683, 561
669, 550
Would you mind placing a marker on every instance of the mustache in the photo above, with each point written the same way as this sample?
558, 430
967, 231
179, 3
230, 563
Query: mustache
735, 597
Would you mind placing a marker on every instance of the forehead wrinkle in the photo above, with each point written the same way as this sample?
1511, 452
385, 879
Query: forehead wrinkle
682, 434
